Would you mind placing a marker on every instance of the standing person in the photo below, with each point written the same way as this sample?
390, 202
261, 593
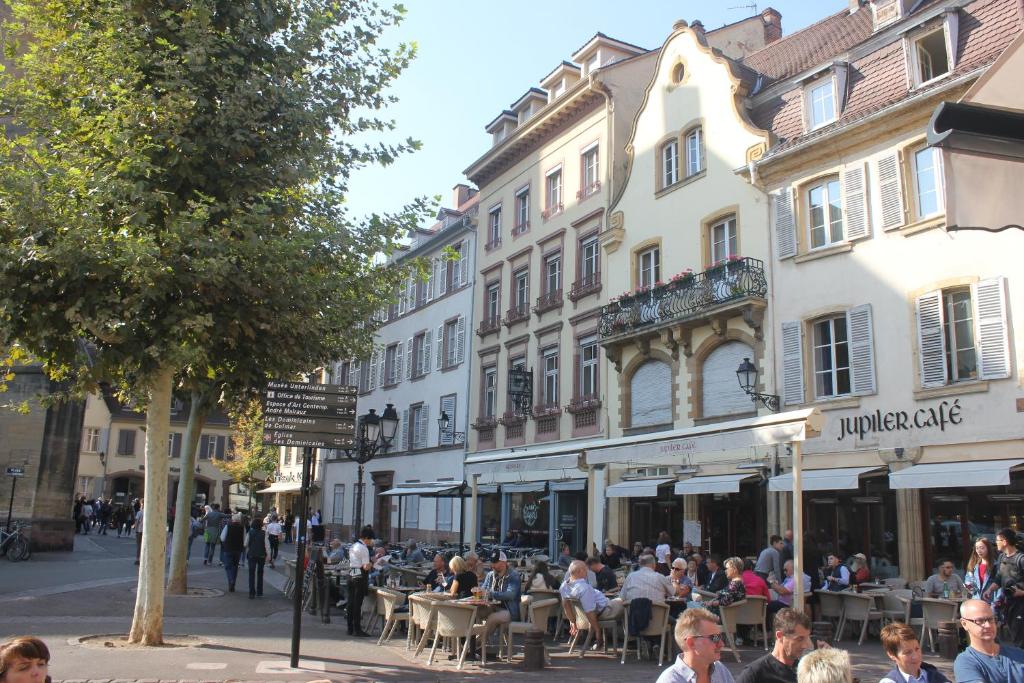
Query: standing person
256, 550
317, 529
663, 553
700, 641
24, 659
1011, 581
901, 646
88, 512
213, 520
358, 580
273, 537
837, 576
289, 519
105, 512
787, 545
770, 559
985, 660
982, 571
139, 515
232, 545
792, 639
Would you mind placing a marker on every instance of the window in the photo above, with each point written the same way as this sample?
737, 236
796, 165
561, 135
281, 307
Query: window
928, 182
357, 496
338, 509
286, 457
412, 513
419, 361
92, 440
588, 367
453, 270
212, 446
831, 358
364, 375
958, 330
522, 211
454, 331
822, 108
553, 185
553, 274
494, 227
444, 514
391, 360
522, 290
300, 454
517, 364
825, 213
417, 422
345, 373
174, 444
490, 406
493, 302
648, 267
126, 442
589, 182
670, 163
930, 56
694, 152
550, 386
723, 240
588, 259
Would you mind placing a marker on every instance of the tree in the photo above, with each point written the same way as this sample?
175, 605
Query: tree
172, 193
249, 454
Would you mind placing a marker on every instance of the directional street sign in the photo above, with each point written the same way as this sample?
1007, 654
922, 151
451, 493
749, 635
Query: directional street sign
275, 406
303, 388
294, 423
310, 401
307, 439
15, 471
309, 415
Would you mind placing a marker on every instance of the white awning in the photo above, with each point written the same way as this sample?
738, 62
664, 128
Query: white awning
282, 487
954, 474
525, 487
573, 485
427, 488
821, 480
717, 483
638, 488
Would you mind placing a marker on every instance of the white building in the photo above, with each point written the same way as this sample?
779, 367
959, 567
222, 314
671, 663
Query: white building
420, 366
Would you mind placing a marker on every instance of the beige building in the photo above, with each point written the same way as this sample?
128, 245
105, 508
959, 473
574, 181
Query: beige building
899, 328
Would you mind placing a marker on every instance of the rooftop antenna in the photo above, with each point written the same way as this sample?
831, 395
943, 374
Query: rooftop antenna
751, 6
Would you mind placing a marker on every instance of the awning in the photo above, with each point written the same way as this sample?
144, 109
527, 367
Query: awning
821, 480
638, 488
717, 483
282, 487
443, 489
525, 487
954, 474
573, 485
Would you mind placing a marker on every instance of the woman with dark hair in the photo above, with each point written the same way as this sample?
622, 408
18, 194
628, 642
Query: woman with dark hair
981, 571
24, 659
257, 547
1010, 607
232, 544
541, 579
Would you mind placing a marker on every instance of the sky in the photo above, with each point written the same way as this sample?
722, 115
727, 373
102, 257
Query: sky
476, 57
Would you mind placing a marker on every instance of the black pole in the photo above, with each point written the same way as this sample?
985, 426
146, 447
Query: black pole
10, 506
462, 517
359, 503
400, 519
300, 558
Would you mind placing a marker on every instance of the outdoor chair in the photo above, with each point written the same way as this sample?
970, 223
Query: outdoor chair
831, 606
892, 608
729, 628
539, 611
897, 583
289, 581
858, 607
935, 611
457, 623
392, 600
424, 616
657, 627
583, 625
753, 611
906, 598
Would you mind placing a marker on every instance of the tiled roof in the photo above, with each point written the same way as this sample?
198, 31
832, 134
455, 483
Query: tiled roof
812, 45
878, 80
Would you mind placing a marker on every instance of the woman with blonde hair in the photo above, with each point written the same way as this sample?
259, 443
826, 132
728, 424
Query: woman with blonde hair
982, 571
733, 592
465, 580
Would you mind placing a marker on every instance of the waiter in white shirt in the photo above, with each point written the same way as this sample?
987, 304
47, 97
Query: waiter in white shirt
359, 572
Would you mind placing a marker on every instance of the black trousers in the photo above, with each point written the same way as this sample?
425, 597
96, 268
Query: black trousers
356, 592
256, 575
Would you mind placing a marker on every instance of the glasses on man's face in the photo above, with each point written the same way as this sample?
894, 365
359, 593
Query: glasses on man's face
678, 569
981, 621
715, 638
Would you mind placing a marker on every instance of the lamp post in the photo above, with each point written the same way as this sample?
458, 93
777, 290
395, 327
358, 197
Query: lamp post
746, 375
446, 429
374, 434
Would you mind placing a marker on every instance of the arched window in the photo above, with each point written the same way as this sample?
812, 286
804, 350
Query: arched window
721, 391
651, 395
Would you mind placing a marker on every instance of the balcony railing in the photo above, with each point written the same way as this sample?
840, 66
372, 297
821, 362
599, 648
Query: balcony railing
548, 301
590, 189
489, 325
687, 295
517, 314
493, 244
520, 228
588, 284
552, 211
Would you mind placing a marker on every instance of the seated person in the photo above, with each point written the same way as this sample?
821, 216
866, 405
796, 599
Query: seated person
837, 576
541, 578
604, 575
752, 582
412, 553
502, 585
613, 556
681, 583
785, 589
943, 579
464, 580
336, 554
861, 573
594, 603
716, 578
985, 660
439, 577
647, 583
901, 646
564, 556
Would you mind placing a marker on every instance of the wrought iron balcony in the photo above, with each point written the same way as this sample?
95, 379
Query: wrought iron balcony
489, 325
687, 297
548, 302
517, 314
587, 284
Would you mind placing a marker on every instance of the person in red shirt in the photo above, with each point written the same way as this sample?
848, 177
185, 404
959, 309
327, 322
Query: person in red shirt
753, 583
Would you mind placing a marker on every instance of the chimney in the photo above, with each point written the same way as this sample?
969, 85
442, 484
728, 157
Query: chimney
772, 21
697, 26
855, 5
461, 194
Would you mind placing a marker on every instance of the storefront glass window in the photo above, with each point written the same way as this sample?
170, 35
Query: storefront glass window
528, 518
490, 517
957, 517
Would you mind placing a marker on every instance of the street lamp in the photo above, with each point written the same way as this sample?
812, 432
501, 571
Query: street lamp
746, 375
446, 429
374, 434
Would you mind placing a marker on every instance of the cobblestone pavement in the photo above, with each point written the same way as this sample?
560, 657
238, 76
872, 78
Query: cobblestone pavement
91, 592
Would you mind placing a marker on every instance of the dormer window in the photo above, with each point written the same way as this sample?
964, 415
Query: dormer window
821, 103
930, 60
593, 63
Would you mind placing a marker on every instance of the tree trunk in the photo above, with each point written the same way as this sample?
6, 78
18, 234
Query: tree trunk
177, 584
148, 621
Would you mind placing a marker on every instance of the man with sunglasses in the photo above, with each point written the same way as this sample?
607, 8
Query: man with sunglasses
985, 660
700, 640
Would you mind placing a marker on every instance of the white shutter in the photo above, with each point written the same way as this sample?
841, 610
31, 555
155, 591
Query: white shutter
398, 371
854, 204
442, 276
411, 292
381, 358
424, 426
785, 227
890, 192
373, 372
460, 354
792, 363
402, 291
404, 427
931, 340
429, 282
862, 349
448, 406
355, 373
991, 338
440, 347
464, 264
409, 360
424, 359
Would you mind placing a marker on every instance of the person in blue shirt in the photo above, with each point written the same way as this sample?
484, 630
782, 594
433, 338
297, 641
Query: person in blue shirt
501, 584
985, 660
902, 646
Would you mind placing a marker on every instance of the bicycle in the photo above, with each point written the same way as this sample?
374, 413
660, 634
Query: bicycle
14, 544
